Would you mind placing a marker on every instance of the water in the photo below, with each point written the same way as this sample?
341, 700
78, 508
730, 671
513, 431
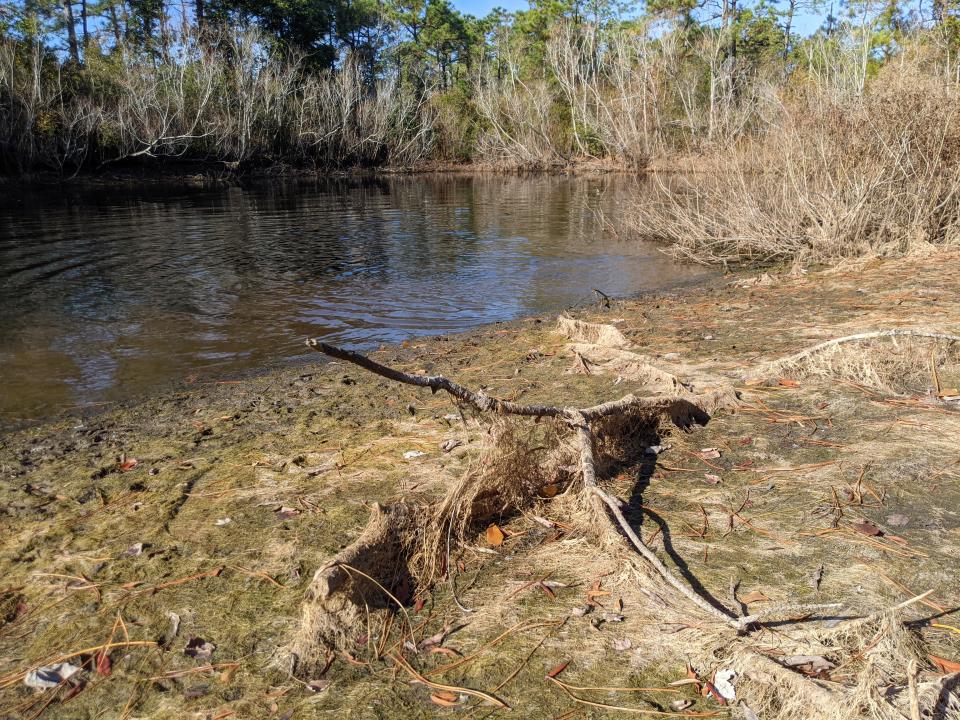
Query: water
108, 294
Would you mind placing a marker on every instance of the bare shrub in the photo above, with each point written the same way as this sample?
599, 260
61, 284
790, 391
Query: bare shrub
832, 175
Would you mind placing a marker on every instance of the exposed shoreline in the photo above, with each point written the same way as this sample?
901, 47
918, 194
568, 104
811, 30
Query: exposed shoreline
203, 504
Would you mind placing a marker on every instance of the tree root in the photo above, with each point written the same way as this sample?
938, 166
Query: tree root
338, 600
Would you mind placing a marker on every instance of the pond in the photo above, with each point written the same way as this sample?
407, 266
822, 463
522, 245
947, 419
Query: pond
110, 293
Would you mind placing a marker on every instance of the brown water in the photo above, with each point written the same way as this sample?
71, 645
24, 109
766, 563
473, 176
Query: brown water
106, 294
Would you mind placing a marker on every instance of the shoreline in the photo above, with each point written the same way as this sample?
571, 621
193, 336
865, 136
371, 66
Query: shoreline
217, 505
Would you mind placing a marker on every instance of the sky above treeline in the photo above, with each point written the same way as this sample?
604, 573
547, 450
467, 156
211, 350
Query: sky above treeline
805, 22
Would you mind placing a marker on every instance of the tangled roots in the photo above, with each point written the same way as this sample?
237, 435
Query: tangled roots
895, 362
405, 547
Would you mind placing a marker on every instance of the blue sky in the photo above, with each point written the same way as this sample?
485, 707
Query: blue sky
805, 23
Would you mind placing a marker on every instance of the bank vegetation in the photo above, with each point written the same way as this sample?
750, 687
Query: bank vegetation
840, 142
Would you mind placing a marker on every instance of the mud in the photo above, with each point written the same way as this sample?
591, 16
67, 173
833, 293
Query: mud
217, 504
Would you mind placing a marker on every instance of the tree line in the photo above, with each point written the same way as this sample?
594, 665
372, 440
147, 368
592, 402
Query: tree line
343, 83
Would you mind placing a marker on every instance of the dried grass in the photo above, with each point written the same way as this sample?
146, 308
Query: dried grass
833, 176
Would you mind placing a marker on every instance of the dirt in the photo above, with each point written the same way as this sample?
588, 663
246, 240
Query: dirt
204, 513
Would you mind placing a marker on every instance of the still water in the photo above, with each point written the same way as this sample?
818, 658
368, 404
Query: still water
107, 294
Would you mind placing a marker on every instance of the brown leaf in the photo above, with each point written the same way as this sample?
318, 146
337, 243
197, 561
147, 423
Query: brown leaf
550, 491
104, 666
789, 383
708, 453
557, 669
755, 596
745, 441
709, 689
444, 698
227, 675
547, 591
946, 666
495, 536
128, 464
867, 528
418, 605
712, 479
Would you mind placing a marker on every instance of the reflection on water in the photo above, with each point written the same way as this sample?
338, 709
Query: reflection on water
106, 294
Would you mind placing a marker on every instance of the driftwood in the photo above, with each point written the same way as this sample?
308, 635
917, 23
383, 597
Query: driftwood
683, 411
359, 579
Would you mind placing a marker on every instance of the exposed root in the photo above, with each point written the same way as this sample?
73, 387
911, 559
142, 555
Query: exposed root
897, 361
603, 349
592, 333
871, 658
337, 599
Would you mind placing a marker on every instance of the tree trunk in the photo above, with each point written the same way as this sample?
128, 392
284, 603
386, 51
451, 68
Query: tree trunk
86, 31
68, 19
115, 25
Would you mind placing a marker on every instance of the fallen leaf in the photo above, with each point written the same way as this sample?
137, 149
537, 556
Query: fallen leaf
128, 463
199, 648
622, 644
712, 479
708, 454
550, 491
418, 605
223, 521
789, 383
867, 528
755, 596
134, 550
411, 454
495, 536
547, 591
557, 669
709, 689
897, 520
318, 686
443, 698
678, 705
745, 441
227, 675
946, 666
104, 666
285, 513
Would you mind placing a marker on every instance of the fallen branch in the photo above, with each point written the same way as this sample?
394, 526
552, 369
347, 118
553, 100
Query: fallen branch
577, 419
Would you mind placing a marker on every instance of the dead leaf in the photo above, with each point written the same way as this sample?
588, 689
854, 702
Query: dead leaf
128, 463
755, 596
550, 491
444, 698
104, 666
867, 528
547, 591
318, 686
712, 479
708, 454
557, 669
622, 644
789, 383
495, 536
285, 513
946, 666
227, 675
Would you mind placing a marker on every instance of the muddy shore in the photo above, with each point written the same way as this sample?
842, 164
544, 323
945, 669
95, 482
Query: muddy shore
200, 516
